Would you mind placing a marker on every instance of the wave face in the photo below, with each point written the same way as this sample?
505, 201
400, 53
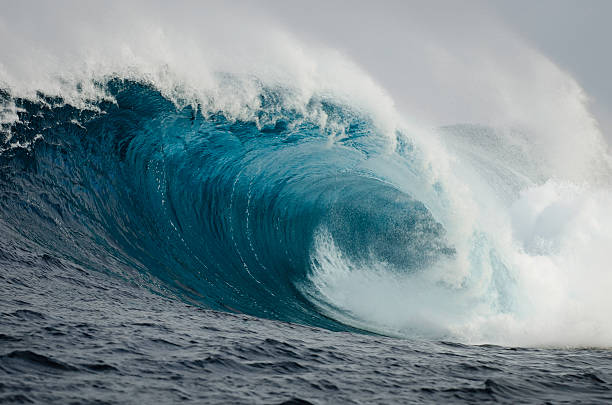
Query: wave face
314, 216
223, 213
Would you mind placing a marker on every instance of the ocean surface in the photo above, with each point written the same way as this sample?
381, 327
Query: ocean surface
211, 202
153, 252
70, 335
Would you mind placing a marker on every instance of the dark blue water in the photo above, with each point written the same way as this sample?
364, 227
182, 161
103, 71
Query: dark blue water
151, 253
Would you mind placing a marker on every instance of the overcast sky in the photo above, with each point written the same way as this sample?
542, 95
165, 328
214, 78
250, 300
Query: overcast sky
576, 35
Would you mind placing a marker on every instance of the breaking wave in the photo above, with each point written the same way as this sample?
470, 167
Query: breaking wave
291, 188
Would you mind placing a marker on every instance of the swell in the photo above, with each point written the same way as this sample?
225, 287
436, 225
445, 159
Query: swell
217, 211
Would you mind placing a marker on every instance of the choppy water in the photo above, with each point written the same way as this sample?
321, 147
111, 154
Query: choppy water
69, 335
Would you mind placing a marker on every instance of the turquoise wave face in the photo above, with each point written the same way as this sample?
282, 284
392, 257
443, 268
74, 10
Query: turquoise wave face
221, 213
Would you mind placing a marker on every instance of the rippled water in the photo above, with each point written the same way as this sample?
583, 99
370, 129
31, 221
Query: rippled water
69, 335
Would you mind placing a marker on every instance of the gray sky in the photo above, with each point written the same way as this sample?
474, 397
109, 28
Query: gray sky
575, 35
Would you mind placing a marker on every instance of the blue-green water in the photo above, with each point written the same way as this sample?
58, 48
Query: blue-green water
149, 252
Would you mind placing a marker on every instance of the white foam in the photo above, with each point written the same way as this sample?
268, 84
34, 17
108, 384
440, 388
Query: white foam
185, 54
548, 222
8, 116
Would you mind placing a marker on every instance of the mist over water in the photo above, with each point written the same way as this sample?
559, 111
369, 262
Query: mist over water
464, 198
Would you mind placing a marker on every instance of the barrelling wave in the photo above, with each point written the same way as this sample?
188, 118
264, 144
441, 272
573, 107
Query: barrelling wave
206, 206
162, 251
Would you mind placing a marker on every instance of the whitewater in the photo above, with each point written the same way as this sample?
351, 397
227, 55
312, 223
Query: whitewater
197, 199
